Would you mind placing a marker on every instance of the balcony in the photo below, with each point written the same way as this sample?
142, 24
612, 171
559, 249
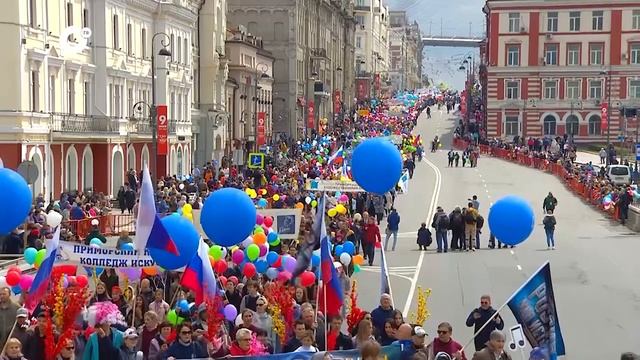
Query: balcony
319, 53
84, 124
141, 126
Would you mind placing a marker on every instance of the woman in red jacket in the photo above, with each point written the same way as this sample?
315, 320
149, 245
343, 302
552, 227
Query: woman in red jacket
370, 236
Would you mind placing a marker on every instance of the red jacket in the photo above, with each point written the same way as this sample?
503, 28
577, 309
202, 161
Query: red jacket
371, 233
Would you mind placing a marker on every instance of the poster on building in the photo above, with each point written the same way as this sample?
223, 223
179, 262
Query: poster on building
163, 129
311, 115
363, 88
261, 128
286, 222
604, 115
376, 81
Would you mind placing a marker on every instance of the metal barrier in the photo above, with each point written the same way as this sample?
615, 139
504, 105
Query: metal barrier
110, 225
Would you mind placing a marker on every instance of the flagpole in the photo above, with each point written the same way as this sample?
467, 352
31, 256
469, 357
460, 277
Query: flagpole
503, 306
326, 320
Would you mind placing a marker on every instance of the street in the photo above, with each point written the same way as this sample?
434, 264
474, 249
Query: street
594, 266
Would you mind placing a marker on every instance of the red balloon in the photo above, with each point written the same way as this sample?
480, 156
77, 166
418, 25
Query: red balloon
220, 267
278, 262
268, 221
13, 278
233, 279
307, 278
284, 276
249, 270
72, 280
223, 280
82, 280
14, 268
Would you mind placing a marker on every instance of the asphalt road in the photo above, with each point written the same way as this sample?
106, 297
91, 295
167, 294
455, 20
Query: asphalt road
594, 267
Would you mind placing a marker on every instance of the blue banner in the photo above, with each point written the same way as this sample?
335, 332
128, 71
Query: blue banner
534, 307
388, 352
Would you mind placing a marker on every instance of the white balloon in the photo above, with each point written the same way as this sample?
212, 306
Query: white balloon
246, 242
54, 218
345, 259
3, 281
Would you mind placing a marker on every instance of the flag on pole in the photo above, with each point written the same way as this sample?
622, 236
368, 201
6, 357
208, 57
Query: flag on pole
534, 307
40, 283
336, 156
311, 241
385, 284
198, 275
149, 230
333, 299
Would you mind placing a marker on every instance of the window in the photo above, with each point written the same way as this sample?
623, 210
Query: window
85, 17
52, 93
172, 106
595, 54
69, 14
129, 101
129, 40
173, 52
634, 89
87, 97
550, 89
360, 3
634, 53
551, 54
71, 95
549, 125
574, 21
635, 20
514, 22
513, 55
33, 13
511, 126
552, 21
111, 99
179, 108
573, 54
573, 89
572, 125
179, 54
116, 43
143, 36
513, 89
185, 48
358, 42
594, 125
597, 20
595, 89
360, 19
35, 90
117, 100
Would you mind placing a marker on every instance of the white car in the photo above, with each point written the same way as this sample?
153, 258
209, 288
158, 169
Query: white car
619, 174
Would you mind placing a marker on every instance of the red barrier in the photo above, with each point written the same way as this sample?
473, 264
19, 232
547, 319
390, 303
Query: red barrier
110, 225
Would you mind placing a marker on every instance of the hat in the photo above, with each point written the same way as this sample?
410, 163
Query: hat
95, 222
22, 312
418, 331
130, 333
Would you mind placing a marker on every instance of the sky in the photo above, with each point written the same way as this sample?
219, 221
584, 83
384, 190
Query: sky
453, 18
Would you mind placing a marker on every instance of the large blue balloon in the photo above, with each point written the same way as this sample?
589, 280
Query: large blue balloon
511, 220
228, 216
186, 238
16, 197
376, 165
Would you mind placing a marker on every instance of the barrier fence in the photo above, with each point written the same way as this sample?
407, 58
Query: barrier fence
110, 225
588, 193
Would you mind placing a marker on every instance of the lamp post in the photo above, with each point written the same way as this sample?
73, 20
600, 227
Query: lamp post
262, 70
152, 109
609, 74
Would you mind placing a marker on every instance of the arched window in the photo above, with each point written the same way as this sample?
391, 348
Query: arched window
594, 125
572, 126
549, 125
179, 163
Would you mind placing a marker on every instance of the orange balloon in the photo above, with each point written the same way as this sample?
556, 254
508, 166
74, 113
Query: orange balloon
151, 270
358, 259
212, 260
299, 205
259, 238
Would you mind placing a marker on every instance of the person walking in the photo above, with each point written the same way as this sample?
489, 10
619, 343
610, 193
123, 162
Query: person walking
549, 223
470, 216
456, 158
480, 316
479, 225
603, 156
450, 157
393, 221
549, 203
456, 224
441, 225
371, 236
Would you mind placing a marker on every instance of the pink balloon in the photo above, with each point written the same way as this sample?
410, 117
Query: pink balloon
265, 228
237, 257
284, 276
344, 198
25, 282
259, 219
263, 249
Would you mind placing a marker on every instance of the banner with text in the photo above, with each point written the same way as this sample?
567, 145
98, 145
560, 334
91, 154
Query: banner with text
333, 185
604, 115
87, 256
311, 116
286, 222
534, 307
386, 352
163, 129
262, 138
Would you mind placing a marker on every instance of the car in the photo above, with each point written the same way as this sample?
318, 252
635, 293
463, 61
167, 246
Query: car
619, 174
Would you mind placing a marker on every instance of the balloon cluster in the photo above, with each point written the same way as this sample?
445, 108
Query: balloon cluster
347, 253
19, 282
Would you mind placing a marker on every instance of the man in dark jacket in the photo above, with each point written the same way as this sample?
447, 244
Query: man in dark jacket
383, 312
549, 203
34, 347
393, 222
336, 340
479, 317
95, 233
456, 222
299, 330
441, 225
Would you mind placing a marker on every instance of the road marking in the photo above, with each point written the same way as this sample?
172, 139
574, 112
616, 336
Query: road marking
400, 272
432, 208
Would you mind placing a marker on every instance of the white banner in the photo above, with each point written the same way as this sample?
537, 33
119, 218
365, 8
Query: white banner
88, 256
403, 183
333, 185
286, 222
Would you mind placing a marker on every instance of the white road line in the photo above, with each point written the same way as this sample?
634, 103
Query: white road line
432, 209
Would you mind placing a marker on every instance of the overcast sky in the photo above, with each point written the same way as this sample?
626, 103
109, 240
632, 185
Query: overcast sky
453, 17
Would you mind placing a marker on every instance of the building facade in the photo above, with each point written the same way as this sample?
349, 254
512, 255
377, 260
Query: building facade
312, 45
557, 67
78, 88
405, 52
372, 46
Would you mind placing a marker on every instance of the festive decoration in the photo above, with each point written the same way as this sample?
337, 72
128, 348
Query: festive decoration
18, 194
278, 296
228, 216
187, 239
422, 312
376, 165
511, 220
279, 326
215, 317
355, 313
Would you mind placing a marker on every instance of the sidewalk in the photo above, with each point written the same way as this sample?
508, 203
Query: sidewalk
584, 158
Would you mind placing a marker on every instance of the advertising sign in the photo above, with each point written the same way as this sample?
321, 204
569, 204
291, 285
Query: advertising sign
311, 115
87, 256
261, 128
286, 222
337, 97
163, 129
333, 185
604, 115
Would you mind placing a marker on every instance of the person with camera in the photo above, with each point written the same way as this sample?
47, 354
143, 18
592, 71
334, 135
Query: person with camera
479, 317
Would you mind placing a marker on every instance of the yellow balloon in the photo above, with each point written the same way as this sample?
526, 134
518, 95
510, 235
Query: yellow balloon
276, 197
341, 209
248, 191
188, 216
253, 194
187, 209
332, 212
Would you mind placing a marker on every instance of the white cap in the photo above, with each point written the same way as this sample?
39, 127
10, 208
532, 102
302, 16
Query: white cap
130, 333
95, 222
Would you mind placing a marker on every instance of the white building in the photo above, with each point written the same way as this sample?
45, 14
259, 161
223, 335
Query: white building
371, 46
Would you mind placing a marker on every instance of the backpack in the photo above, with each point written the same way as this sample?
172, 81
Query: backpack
443, 222
479, 221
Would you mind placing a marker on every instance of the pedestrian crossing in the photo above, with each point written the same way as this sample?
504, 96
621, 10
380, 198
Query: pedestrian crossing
405, 272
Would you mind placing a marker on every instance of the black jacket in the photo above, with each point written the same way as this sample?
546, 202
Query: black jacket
485, 315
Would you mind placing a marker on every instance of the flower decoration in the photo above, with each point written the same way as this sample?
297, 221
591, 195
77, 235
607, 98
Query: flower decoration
104, 312
422, 312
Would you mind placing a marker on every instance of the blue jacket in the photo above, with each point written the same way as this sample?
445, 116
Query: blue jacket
393, 220
181, 351
379, 316
92, 349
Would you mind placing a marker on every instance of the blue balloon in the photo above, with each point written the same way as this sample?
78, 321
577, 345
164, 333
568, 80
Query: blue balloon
183, 305
99, 271
272, 273
96, 241
273, 236
376, 165
228, 216
17, 199
511, 220
261, 266
30, 255
127, 247
339, 250
315, 260
186, 238
263, 203
272, 257
349, 248
16, 289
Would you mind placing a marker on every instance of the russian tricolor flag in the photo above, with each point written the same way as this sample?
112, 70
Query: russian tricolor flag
336, 156
149, 230
332, 296
198, 275
40, 283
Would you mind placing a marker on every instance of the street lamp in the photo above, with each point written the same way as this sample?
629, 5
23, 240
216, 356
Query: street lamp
262, 70
152, 109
